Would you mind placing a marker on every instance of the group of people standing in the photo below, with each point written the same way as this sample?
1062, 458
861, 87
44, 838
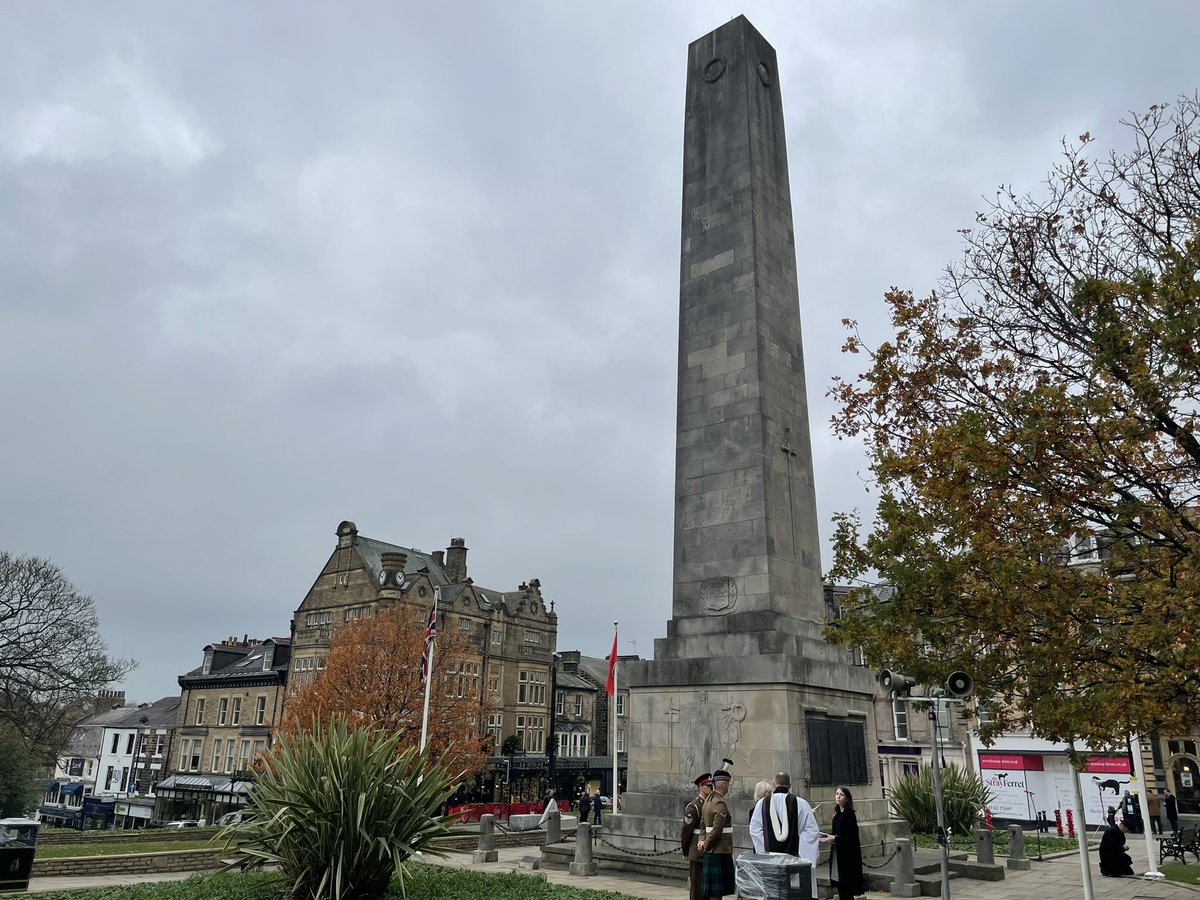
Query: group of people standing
589, 805
780, 822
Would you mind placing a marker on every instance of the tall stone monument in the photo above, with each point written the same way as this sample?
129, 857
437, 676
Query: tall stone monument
743, 671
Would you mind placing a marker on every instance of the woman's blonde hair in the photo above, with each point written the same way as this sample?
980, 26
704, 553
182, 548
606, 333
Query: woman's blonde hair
763, 789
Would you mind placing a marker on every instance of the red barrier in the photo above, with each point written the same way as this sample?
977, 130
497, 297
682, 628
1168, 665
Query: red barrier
1058, 821
987, 818
470, 812
1070, 823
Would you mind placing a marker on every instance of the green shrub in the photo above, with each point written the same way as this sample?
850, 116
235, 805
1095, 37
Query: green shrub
341, 810
964, 795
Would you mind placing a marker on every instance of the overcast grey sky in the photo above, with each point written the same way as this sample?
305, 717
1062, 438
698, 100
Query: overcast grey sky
267, 266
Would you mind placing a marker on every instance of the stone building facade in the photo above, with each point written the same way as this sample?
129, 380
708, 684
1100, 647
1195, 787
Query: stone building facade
513, 632
583, 725
227, 708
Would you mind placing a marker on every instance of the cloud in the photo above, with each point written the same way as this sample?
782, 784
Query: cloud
113, 114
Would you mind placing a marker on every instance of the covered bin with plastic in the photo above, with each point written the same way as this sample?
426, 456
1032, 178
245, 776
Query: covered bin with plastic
773, 876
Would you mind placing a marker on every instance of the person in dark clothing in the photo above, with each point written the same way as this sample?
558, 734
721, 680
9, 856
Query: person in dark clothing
1172, 810
585, 806
845, 856
596, 804
1114, 858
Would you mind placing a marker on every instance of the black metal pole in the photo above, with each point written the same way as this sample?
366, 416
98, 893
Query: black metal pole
552, 747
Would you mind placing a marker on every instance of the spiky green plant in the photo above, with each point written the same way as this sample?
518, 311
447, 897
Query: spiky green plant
964, 795
340, 810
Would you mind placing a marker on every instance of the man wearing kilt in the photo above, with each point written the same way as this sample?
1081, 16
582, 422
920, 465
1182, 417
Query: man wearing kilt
693, 830
716, 844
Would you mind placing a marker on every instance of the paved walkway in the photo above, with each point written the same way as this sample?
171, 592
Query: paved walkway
1059, 878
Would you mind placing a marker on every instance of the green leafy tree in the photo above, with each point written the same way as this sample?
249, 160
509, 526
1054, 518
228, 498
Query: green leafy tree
21, 770
1047, 391
341, 810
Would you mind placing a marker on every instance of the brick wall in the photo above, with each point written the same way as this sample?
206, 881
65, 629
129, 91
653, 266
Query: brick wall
169, 861
141, 836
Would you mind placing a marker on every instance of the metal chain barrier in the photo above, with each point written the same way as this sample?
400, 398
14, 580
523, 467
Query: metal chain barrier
867, 865
646, 853
500, 826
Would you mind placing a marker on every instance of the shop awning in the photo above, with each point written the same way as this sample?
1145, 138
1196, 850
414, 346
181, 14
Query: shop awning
209, 784
71, 789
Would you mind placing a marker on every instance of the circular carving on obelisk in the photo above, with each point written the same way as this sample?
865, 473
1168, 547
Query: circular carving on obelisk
714, 70
764, 74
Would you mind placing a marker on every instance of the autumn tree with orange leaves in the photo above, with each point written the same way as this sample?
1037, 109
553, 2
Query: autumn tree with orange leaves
1032, 430
372, 679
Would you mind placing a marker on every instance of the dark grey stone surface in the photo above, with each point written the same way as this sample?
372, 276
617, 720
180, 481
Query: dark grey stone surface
746, 536
744, 662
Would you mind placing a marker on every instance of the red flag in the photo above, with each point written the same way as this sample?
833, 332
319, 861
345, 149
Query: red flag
612, 668
430, 631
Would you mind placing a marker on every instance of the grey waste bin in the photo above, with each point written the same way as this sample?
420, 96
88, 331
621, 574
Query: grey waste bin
18, 839
773, 876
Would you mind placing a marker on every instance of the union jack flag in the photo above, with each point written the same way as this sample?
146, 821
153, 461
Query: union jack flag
430, 633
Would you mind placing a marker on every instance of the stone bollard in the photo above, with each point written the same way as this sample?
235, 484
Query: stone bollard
583, 864
984, 849
554, 827
905, 881
487, 841
1016, 848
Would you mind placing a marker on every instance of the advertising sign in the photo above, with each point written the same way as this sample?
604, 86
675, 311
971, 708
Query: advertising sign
1118, 764
1103, 783
1010, 761
1008, 789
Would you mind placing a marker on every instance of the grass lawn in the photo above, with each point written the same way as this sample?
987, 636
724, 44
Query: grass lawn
1180, 872
423, 881
57, 851
961, 843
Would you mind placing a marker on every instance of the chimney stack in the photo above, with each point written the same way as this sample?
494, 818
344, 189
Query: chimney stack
456, 560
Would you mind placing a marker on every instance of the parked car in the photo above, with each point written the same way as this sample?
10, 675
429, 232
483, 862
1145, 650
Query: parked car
235, 818
605, 802
183, 823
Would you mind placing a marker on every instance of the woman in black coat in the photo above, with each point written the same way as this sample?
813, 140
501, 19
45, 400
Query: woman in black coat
845, 856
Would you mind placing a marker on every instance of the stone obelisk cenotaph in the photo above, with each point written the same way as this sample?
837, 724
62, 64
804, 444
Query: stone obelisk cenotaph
743, 671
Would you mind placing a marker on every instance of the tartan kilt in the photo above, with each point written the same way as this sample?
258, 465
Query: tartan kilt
717, 878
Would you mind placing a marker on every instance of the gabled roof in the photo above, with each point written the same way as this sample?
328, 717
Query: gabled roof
418, 561
595, 669
242, 661
157, 714
570, 682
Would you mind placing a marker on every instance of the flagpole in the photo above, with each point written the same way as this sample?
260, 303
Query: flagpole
437, 593
616, 784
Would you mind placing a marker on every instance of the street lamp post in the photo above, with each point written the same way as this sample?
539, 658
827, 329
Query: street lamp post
958, 686
552, 747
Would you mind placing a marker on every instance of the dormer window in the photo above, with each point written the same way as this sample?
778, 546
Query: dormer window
208, 659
